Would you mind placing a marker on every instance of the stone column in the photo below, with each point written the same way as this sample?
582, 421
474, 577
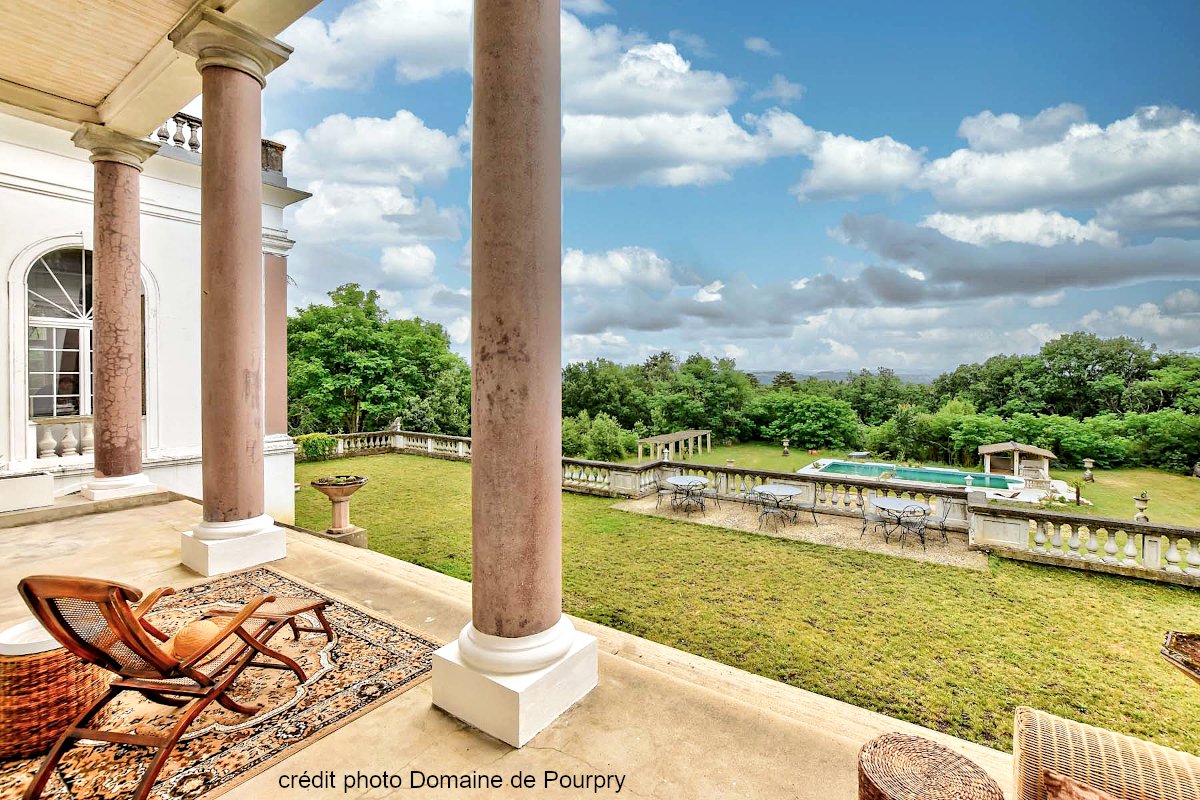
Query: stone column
519, 663
233, 61
117, 312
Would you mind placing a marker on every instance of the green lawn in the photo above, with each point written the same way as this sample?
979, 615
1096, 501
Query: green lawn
1174, 499
953, 649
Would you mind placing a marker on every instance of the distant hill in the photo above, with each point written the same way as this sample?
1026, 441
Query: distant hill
766, 377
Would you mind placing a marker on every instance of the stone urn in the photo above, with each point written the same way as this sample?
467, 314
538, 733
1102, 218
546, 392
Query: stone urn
786, 451
338, 489
1141, 501
1088, 464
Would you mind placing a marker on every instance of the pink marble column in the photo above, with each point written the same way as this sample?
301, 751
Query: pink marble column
117, 311
516, 320
231, 296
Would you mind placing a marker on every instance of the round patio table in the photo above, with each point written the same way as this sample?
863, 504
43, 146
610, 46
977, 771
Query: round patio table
896, 766
777, 491
898, 505
687, 481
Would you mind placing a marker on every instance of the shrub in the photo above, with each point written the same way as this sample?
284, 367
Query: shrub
316, 446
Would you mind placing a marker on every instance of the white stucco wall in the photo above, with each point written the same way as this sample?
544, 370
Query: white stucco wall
45, 202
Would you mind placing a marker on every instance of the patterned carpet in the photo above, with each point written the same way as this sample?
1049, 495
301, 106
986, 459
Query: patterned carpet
370, 661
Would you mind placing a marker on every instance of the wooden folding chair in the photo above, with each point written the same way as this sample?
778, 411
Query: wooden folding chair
95, 621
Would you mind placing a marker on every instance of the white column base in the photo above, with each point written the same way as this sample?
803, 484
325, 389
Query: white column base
214, 548
120, 486
514, 706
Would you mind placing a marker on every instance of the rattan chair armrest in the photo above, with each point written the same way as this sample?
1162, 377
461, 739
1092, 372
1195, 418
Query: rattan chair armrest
230, 629
151, 599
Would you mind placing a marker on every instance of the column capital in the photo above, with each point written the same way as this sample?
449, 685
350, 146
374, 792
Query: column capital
106, 144
216, 40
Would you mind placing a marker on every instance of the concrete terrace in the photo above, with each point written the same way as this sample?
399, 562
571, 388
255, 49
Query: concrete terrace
675, 725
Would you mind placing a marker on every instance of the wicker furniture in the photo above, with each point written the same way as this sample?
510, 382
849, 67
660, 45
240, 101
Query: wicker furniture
896, 766
1125, 767
1183, 651
95, 621
40, 694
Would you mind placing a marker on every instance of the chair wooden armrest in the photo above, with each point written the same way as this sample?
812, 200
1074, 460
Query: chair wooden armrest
146, 605
230, 629
1123, 766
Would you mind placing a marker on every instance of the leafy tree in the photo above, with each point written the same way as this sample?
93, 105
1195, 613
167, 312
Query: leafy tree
809, 421
783, 380
351, 369
601, 386
705, 394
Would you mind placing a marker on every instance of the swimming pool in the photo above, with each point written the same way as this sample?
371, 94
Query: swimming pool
945, 477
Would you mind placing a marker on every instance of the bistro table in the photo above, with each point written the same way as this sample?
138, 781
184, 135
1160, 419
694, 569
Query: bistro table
895, 508
774, 496
688, 492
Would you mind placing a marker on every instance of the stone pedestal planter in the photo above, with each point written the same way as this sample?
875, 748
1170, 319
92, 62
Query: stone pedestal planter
1088, 464
1141, 501
338, 489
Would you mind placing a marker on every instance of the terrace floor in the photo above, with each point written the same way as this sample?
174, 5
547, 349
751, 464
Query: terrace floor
675, 724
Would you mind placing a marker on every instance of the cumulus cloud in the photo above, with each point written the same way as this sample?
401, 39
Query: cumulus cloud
401, 150
587, 7
1089, 165
1184, 301
371, 214
757, 44
991, 133
844, 167
1043, 228
419, 39
1048, 300
1161, 208
628, 266
408, 265
1149, 320
781, 90
710, 293
693, 42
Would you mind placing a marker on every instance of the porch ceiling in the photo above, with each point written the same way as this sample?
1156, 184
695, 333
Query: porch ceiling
109, 61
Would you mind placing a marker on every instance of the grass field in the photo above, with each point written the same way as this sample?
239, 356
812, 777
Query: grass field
1174, 499
953, 649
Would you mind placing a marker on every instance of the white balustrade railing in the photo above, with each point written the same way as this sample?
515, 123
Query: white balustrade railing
64, 437
1165, 553
185, 132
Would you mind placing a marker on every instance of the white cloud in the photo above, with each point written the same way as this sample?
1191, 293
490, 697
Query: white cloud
628, 266
989, 133
694, 42
734, 351
400, 150
372, 214
611, 72
757, 44
780, 89
710, 293
1043, 228
420, 39
1154, 147
408, 265
1176, 332
587, 7
845, 167
1161, 208
459, 330
672, 149
1184, 301
1048, 300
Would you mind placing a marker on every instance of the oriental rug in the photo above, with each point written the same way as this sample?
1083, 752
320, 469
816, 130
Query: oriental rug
370, 661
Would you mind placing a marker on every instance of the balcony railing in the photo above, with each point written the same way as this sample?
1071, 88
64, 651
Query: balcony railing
1163, 553
63, 437
185, 132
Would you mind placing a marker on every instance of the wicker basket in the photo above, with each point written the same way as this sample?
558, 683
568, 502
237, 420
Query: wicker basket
39, 696
896, 766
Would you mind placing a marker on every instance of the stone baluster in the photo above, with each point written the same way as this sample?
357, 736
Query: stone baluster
194, 137
47, 446
162, 134
1073, 542
1130, 551
1110, 547
179, 138
1040, 536
1193, 556
1093, 545
70, 445
1173, 557
1056, 540
87, 439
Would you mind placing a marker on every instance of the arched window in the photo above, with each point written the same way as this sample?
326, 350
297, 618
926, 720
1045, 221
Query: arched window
59, 292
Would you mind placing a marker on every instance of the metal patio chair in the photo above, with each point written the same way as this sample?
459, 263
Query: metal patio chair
95, 621
872, 517
939, 520
913, 521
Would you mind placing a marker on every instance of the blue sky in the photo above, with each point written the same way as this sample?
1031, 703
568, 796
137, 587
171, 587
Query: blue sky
801, 186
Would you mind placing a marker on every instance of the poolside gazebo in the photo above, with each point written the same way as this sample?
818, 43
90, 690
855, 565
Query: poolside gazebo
1016, 459
683, 444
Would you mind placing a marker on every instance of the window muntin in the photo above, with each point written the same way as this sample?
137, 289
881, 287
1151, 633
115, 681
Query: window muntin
59, 297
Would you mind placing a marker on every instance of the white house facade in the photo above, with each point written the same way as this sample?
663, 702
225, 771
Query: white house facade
47, 238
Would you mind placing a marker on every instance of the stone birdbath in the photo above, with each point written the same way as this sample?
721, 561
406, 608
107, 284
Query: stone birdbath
338, 489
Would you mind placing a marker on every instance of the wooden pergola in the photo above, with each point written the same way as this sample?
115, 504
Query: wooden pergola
1006, 459
683, 444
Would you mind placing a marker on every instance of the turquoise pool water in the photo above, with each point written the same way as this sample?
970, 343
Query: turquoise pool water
946, 477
